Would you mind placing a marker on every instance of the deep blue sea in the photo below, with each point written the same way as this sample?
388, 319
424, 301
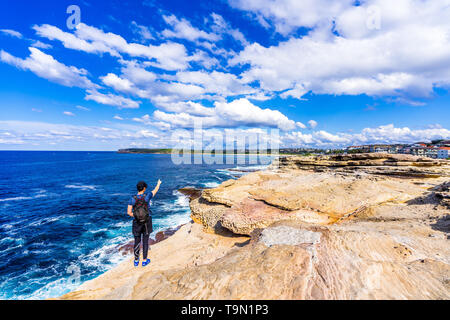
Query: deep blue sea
64, 212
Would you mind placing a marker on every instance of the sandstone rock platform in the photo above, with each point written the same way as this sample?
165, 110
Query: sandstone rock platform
341, 227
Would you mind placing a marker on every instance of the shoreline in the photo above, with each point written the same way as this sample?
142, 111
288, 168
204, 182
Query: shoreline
125, 249
385, 238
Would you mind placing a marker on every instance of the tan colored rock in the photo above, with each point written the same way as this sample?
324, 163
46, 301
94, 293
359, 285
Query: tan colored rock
373, 163
292, 191
395, 253
320, 198
333, 233
188, 247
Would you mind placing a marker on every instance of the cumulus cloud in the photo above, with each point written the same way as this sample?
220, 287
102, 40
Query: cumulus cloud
167, 55
184, 85
387, 134
183, 29
45, 66
244, 112
312, 124
189, 107
237, 113
111, 99
286, 15
215, 82
40, 133
399, 51
348, 55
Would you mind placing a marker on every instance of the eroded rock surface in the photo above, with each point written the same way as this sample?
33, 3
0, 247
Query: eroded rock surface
319, 190
374, 163
293, 232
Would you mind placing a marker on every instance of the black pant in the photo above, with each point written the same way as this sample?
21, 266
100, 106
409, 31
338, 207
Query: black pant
141, 231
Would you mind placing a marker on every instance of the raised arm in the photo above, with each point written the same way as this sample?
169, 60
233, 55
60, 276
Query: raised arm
156, 188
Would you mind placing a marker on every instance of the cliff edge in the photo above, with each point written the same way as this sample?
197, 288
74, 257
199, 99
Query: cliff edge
368, 226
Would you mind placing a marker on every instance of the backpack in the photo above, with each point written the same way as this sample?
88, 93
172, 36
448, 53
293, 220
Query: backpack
141, 212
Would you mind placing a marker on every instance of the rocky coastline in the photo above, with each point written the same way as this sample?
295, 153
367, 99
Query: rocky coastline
361, 226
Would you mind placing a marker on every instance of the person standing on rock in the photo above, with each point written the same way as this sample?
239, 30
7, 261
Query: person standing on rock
139, 209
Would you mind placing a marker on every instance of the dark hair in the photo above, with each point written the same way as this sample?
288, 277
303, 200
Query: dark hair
141, 186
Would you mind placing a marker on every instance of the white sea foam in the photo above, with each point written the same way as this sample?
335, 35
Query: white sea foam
16, 199
211, 184
181, 203
241, 171
224, 171
179, 213
171, 221
182, 200
106, 257
39, 194
53, 289
251, 168
81, 187
7, 239
48, 220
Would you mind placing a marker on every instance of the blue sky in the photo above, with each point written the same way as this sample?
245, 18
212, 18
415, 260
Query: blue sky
327, 74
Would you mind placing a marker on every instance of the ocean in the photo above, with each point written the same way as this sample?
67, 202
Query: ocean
63, 214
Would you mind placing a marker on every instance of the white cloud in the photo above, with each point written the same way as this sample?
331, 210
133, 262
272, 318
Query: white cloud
215, 82
223, 27
184, 85
146, 134
300, 125
41, 45
388, 134
72, 41
35, 134
312, 124
392, 134
406, 56
137, 74
168, 55
238, 113
287, 15
45, 66
189, 107
68, 113
12, 33
298, 91
39, 133
112, 100
183, 29
119, 84
143, 119
142, 31
83, 108
244, 112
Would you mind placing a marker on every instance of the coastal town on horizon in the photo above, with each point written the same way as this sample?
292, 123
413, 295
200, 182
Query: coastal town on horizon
437, 149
